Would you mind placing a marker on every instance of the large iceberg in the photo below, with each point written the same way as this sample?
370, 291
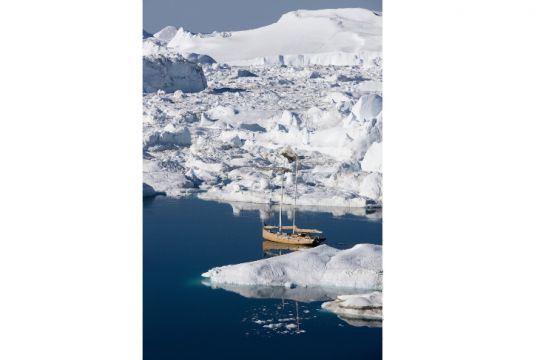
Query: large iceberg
170, 73
298, 38
359, 267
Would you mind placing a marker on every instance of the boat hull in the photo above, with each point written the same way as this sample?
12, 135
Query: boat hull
269, 246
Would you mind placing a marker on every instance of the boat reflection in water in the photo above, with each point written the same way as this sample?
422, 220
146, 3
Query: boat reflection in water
271, 248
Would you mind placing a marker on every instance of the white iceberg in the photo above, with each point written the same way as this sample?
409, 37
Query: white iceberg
298, 38
359, 267
357, 307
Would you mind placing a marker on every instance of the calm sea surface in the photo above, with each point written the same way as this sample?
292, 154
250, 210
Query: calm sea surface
185, 319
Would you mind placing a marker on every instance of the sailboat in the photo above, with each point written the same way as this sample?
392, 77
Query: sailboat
291, 234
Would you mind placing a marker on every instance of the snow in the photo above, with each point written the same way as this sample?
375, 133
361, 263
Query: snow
358, 306
170, 73
298, 38
359, 267
331, 115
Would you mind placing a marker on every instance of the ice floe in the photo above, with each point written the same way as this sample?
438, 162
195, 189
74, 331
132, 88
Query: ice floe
359, 267
358, 309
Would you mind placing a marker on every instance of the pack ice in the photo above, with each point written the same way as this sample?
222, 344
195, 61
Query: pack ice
359, 267
313, 86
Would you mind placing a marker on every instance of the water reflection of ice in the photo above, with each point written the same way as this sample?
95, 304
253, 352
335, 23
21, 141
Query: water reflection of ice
280, 318
266, 211
301, 294
361, 322
292, 307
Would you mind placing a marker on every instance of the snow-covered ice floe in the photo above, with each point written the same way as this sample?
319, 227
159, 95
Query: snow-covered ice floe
358, 309
314, 86
359, 267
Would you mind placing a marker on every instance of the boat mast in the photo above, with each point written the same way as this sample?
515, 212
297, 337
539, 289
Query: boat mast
295, 187
297, 319
281, 201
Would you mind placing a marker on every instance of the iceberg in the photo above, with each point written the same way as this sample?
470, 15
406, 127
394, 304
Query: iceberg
171, 73
357, 309
298, 38
359, 267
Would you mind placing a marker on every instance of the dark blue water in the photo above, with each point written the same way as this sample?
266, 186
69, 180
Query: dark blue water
184, 319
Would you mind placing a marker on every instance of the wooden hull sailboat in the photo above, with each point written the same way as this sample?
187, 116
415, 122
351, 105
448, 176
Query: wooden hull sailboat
291, 234
299, 237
